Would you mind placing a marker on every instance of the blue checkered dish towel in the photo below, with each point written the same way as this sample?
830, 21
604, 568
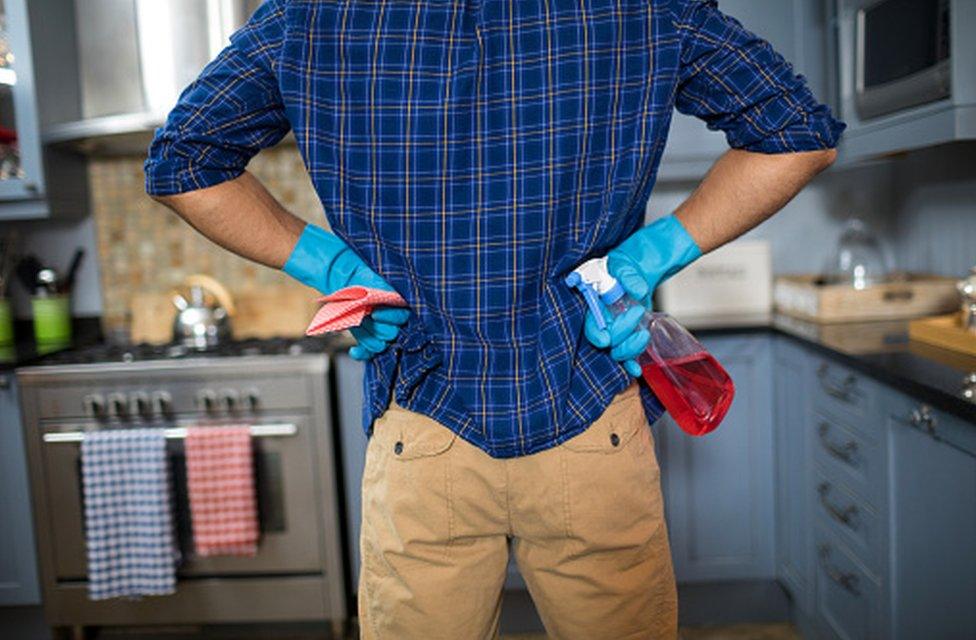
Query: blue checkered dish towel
128, 514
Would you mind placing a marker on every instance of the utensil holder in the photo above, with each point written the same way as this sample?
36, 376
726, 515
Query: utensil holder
6, 323
52, 319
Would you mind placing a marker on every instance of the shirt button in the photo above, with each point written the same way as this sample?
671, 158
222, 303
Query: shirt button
614, 439
398, 448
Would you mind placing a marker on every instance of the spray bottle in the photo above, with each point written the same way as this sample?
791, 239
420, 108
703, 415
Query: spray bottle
688, 380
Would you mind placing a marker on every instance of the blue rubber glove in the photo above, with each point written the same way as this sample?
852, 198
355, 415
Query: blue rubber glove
641, 262
324, 262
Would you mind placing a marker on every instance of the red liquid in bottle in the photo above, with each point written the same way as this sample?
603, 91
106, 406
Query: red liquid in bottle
695, 390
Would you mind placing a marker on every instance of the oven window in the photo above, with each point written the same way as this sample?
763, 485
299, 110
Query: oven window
904, 37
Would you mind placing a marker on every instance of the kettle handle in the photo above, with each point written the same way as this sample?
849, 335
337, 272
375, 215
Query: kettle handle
210, 285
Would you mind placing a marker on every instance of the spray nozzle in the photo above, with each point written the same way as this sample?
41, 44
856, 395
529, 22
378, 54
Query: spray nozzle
594, 281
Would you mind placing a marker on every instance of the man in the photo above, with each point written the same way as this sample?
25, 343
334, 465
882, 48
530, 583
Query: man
469, 155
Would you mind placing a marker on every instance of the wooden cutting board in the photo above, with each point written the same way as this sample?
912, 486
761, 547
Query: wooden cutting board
944, 332
262, 312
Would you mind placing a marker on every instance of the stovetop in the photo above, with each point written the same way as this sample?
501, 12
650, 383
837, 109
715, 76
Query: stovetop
111, 353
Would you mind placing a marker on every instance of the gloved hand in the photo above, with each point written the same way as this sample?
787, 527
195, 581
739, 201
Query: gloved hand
322, 261
641, 262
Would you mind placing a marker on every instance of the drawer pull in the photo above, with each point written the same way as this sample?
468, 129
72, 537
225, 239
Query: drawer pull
846, 516
923, 419
842, 390
846, 452
847, 581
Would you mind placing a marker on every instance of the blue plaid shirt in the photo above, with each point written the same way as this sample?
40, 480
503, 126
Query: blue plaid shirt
473, 153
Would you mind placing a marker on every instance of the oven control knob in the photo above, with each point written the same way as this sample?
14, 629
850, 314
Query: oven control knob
95, 405
230, 400
207, 400
118, 405
139, 404
253, 399
162, 403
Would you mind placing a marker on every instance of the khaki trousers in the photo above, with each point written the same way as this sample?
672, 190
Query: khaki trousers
585, 520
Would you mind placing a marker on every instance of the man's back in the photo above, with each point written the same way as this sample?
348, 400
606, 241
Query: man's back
473, 154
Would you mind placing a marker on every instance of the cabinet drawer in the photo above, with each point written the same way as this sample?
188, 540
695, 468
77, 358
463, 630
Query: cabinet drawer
848, 599
845, 455
839, 390
848, 517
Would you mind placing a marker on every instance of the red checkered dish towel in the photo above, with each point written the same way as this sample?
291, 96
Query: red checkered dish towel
220, 478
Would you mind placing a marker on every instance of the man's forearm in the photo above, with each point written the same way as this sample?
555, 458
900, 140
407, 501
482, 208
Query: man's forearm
241, 216
743, 189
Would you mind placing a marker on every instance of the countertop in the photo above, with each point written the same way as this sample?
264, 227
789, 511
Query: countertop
881, 350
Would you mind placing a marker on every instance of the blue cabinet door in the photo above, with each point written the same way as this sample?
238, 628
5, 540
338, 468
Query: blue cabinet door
718, 488
931, 591
18, 559
791, 429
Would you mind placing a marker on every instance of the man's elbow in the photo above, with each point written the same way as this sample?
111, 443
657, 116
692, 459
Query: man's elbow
822, 159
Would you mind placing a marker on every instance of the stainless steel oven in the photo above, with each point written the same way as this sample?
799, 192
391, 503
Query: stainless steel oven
902, 54
298, 572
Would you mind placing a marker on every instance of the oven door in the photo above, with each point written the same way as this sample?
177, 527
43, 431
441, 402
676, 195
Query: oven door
288, 508
902, 55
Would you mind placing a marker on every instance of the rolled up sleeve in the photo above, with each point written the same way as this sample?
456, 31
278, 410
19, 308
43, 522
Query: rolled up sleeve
737, 83
228, 114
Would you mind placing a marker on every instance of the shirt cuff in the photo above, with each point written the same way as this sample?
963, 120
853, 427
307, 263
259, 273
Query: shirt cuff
171, 176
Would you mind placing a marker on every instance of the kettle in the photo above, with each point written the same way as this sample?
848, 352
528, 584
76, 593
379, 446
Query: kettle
199, 324
967, 289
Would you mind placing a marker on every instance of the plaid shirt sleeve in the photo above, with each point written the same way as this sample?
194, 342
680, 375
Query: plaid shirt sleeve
228, 114
737, 83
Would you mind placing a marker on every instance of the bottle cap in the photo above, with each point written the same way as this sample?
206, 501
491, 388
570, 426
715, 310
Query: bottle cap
595, 283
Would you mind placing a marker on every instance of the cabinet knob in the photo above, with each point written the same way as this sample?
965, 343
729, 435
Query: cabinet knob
253, 399
207, 400
118, 406
230, 400
94, 405
162, 403
140, 405
922, 418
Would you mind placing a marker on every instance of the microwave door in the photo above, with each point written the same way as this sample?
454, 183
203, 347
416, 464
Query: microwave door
901, 55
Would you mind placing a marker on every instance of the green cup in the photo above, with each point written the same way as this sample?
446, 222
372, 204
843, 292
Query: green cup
6, 323
52, 319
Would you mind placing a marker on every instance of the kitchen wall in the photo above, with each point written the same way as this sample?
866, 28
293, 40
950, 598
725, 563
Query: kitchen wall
146, 248
804, 235
935, 210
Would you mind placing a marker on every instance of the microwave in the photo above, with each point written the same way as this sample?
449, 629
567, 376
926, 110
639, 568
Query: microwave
902, 55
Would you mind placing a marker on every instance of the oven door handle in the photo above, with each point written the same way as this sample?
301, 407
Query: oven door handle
280, 430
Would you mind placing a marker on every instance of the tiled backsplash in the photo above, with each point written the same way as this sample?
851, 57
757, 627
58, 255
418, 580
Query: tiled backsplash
143, 247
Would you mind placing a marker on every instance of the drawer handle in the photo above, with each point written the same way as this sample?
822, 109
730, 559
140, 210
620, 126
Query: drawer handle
846, 452
923, 419
846, 516
843, 390
847, 581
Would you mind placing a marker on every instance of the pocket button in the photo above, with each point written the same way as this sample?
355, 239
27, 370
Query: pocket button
614, 439
398, 448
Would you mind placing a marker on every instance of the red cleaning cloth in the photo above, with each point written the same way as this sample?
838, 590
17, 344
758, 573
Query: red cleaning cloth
347, 307
220, 479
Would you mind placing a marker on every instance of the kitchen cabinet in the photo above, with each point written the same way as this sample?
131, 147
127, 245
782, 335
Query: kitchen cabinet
797, 30
791, 433
945, 120
38, 88
718, 488
932, 523
18, 559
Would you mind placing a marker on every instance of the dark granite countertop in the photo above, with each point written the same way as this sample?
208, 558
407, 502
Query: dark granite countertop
881, 350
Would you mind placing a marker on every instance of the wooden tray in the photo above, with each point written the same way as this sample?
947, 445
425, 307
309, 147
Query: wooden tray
911, 296
944, 332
